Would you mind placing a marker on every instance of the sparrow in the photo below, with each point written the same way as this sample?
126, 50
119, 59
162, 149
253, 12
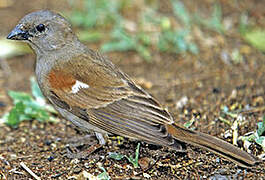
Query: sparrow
88, 90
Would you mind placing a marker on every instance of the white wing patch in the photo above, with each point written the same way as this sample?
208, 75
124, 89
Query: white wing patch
77, 86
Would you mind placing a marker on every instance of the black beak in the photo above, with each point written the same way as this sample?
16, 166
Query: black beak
18, 34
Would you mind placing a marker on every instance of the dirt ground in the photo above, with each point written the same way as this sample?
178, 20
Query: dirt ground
207, 80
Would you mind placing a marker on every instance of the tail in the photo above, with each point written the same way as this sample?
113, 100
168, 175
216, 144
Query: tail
213, 144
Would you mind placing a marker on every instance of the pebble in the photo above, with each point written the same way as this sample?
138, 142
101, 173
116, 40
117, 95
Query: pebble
48, 142
144, 162
258, 100
182, 102
216, 90
75, 161
58, 139
144, 83
77, 169
223, 171
22, 139
87, 165
50, 158
218, 177
13, 156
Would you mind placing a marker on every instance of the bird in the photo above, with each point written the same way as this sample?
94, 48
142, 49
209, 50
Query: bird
87, 89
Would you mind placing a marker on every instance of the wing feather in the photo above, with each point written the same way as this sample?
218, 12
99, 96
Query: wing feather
111, 100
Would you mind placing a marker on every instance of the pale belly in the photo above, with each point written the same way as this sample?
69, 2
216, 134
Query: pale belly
80, 123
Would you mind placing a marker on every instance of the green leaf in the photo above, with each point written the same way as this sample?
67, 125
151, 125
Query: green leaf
181, 12
243, 23
115, 156
176, 41
256, 38
236, 56
120, 41
189, 123
165, 24
36, 111
163, 45
261, 141
193, 48
249, 138
27, 108
144, 38
261, 127
19, 96
14, 117
132, 160
144, 52
104, 175
96, 13
214, 22
216, 19
181, 44
40, 102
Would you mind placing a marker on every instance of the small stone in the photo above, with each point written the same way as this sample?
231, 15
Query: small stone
216, 90
182, 102
225, 57
258, 100
144, 83
13, 156
58, 139
50, 158
223, 171
144, 162
77, 169
53, 145
86, 165
75, 161
22, 139
217, 160
47, 142
146, 175
218, 177
233, 94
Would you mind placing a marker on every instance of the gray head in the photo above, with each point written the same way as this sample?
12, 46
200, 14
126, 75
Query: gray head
43, 30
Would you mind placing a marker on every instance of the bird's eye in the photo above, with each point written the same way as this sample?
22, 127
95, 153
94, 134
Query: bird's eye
40, 27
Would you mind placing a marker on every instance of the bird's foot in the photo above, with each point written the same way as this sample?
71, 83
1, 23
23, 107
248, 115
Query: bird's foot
82, 147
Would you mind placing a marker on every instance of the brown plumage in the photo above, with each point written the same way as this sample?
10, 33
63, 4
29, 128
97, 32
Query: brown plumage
87, 89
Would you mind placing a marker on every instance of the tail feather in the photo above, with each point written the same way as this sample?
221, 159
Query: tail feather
213, 144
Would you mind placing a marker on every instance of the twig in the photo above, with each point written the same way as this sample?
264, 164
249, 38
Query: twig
224, 121
4, 160
2, 175
234, 128
254, 110
29, 171
57, 175
15, 171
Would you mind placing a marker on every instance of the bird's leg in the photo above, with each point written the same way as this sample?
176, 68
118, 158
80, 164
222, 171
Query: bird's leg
101, 138
82, 147
79, 141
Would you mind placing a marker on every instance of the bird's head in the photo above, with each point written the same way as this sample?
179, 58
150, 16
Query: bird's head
43, 30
